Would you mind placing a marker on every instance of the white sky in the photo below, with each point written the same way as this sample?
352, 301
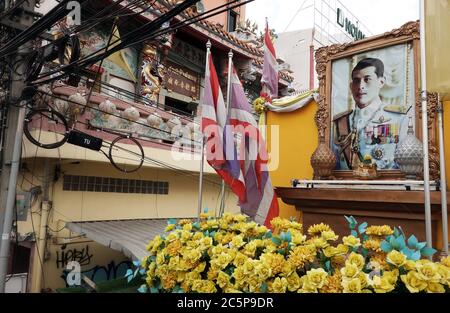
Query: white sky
379, 16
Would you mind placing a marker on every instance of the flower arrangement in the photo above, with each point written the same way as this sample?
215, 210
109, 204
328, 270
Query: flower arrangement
230, 254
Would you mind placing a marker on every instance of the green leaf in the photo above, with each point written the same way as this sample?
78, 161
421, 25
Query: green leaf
276, 240
171, 221
143, 289
154, 290
415, 256
354, 233
365, 237
412, 241
408, 252
385, 246
205, 210
129, 272
428, 251
362, 228
396, 232
268, 235
263, 287
421, 245
400, 242
328, 266
364, 252
142, 271
136, 263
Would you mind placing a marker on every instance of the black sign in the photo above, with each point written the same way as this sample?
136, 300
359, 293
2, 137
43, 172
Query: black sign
84, 140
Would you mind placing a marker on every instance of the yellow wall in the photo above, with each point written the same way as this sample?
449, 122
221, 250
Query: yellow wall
297, 141
90, 206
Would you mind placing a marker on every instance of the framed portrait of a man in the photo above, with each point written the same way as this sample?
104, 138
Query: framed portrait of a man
368, 97
372, 99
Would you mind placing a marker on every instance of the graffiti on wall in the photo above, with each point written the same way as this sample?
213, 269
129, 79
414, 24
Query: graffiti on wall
65, 255
100, 273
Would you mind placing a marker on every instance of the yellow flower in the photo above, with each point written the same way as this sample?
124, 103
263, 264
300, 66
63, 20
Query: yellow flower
263, 270
391, 276
409, 265
428, 271
249, 266
206, 242
396, 258
170, 227
197, 236
279, 285
356, 259
384, 230
444, 271
352, 285
329, 235
338, 261
254, 284
212, 273
317, 229
223, 280
154, 244
239, 274
435, 288
222, 260
350, 271
341, 249
351, 241
293, 281
330, 251
204, 286
446, 261
298, 238
275, 262
372, 244
364, 279
174, 247
382, 285
301, 255
239, 218
333, 284
413, 282
317, 277
250, 249
187, 226
200, 268
160, 258
320, 243
239, 259
238, 241
151, 270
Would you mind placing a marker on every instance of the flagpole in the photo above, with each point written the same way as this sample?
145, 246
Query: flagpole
424, 100
200, 182
443, 186
228, 107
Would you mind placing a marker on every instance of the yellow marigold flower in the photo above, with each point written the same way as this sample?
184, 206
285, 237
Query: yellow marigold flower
380, 259
169, 281
227, 238
413, 282
275, 261
342, 249
197, 236
181, 275
223, 280
317, 277
396, 258
253, 283
279, 285
222, 260
250, 249
184, 221
232, 290
218, 249
372, 244
352, 285
409, 265
204, 286
239, 218
364, 279
170, 227
151, 269
350, 271
206, 242
174, 248
338, 261
239, 259
288, 268
200, 268
384, 230
171, 237
382, 285
435, 288
446, 261
317, 229
174, 262
301, 255
154, 244
238, 241
160, 258
333, 284
185, 235
263, 271
329, 235
428, 271
270, 247
356, 259
351, 241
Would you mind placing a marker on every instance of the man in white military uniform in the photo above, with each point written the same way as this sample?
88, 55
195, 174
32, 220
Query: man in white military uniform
375, 131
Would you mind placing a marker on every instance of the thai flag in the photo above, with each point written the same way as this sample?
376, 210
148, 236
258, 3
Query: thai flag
261, 202
269, 78
221, 151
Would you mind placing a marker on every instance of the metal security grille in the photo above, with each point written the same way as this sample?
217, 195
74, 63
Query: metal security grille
109, 184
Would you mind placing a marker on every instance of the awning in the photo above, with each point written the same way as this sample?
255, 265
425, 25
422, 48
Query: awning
127, 236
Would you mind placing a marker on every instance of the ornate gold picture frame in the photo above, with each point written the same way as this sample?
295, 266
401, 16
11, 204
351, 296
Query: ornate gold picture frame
331, 58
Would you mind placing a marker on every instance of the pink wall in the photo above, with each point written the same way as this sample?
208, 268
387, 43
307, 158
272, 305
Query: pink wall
222, 18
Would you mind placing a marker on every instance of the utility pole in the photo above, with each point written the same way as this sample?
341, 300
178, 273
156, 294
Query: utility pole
13, 142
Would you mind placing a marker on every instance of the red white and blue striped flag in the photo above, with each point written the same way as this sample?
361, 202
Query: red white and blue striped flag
221, 151
269, 79
261, 202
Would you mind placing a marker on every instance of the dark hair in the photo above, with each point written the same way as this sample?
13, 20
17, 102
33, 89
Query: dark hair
367, 62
